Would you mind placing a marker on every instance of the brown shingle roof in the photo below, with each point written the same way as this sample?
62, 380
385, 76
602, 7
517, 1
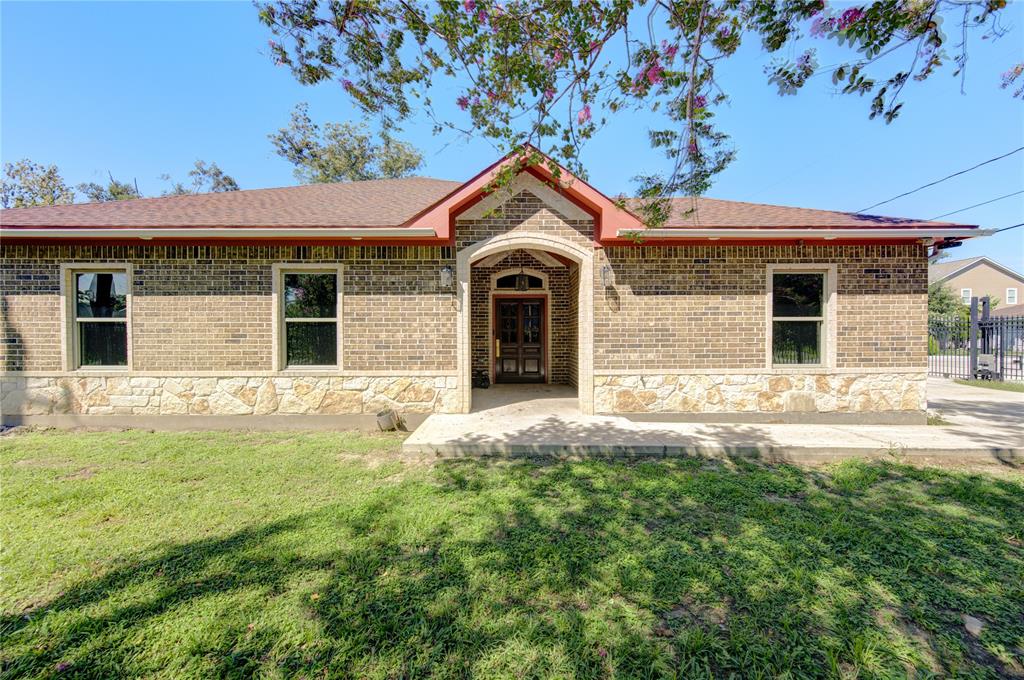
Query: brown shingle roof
385, 203
718, 213
373, 203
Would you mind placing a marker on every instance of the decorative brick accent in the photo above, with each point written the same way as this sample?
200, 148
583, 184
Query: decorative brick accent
523, 212
562, 298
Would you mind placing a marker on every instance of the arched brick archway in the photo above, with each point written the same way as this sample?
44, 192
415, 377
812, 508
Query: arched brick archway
584, 258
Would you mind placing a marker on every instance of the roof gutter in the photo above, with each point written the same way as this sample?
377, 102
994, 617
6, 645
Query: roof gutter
218, 232
827, 234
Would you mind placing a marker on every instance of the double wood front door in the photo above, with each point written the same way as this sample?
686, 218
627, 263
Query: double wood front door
519, 340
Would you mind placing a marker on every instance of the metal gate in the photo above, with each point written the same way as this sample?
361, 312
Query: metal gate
981, 346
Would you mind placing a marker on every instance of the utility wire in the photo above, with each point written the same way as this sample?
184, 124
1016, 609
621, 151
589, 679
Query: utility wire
1012, 226
977, 205
931, 184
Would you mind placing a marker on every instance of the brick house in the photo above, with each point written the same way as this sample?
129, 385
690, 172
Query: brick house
341, 299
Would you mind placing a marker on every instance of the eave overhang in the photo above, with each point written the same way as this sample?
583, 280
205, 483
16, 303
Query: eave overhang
928, 235
216, 234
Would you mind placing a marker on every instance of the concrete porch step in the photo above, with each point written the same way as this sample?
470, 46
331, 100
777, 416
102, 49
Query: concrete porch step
549, 424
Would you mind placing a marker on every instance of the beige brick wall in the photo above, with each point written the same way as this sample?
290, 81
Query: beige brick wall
704, 307
209, 308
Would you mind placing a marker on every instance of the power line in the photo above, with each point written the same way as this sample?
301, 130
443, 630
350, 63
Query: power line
931, 184
1012, 226
977, 205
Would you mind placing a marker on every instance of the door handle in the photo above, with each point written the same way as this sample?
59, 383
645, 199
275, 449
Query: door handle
497, 351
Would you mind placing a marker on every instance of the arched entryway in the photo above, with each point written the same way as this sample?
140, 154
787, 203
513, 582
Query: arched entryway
583, 258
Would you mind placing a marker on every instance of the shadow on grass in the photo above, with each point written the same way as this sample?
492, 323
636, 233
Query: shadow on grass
588, 569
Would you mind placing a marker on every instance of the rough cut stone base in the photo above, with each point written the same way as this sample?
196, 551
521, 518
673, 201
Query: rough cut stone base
760, 393
226, 396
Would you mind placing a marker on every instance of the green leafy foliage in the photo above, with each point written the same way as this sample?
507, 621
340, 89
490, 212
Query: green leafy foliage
547, 74
340, 152
943, 301
113, 191
26, 184
203, 179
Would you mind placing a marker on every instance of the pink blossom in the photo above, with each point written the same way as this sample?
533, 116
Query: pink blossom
470, 5
594, 46
463, 102
655, 73
346, 83
820, 26
584, 115
549, 93
850, 17
699, 102
669, 50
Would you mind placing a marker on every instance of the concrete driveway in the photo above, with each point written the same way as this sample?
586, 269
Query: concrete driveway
980, 409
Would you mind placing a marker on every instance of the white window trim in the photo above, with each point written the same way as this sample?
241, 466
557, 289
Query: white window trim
966, 295
828, 333
279, 269
68, 320
1015, 296
543, 292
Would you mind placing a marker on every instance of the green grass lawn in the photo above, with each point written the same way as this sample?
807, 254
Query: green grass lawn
133, 554
993, 385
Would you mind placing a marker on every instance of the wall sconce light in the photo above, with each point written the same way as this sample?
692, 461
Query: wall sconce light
606, 276
446, 277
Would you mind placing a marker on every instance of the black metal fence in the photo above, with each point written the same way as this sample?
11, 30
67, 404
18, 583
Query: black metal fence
981, 346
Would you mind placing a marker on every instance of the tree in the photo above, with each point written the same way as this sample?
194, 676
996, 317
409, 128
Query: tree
26, 184
341, 151
943, 301
546, 74
204, 179
113, 191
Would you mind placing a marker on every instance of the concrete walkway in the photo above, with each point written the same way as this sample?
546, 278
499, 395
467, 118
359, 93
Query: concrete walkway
985, 426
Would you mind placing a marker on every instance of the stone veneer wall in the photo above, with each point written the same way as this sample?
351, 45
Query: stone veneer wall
264, 395
762, 393
562, 298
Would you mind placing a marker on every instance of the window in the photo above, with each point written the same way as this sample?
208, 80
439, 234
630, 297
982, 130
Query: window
310, 318
100, 316
508, 282
1011, 296
965, 295
798, 317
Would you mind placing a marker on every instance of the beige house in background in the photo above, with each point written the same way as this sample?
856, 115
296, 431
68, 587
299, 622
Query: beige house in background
978, 277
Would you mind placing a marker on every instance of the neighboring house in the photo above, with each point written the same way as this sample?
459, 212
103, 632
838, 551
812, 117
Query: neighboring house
343, 299
978, 277
1012, 310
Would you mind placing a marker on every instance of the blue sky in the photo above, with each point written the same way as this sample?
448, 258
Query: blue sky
141, 89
